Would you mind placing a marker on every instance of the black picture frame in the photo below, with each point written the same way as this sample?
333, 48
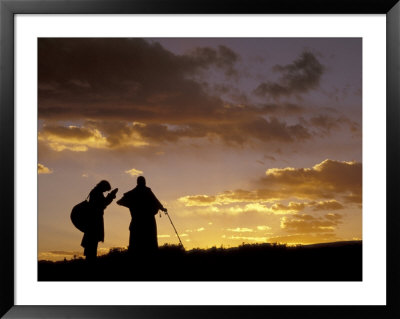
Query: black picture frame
8, 10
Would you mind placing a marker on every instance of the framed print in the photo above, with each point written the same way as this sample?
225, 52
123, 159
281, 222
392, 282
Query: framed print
260, 128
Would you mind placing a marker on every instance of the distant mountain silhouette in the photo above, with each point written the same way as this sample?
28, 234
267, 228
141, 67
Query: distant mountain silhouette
338, 261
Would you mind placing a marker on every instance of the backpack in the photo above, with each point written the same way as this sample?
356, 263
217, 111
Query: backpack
80, 215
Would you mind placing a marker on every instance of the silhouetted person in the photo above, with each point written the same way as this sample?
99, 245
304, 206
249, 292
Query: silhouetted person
95, 228
143, 206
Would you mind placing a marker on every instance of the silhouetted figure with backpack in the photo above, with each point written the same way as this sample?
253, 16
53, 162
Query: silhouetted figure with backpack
94, 231
143, 206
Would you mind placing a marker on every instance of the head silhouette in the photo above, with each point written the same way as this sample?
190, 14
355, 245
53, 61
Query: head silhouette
103, 186
141, 181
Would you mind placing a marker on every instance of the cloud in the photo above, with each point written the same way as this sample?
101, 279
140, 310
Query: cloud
82, 138
353, 198
240, 230
245, 130
295, 207
134, 172
321, 185
198, 200
324, 180
257, 207
123, 78
72, 138
43, 169
299, 77
263, 227
308, 224
134, 93
222, 57
229, 197
292, 207
283, 108
325, 123
327, 205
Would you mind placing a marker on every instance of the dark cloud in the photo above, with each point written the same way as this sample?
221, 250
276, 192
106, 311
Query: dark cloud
111, 84
284, 109
122, 134
131, 78
327, 123
299, 77
222, 57
67, 132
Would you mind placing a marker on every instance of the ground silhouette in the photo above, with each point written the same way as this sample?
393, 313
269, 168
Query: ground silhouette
339, 261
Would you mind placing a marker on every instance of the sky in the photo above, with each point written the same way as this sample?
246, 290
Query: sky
243, 140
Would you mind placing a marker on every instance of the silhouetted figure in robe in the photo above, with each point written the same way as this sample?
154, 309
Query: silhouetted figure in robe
143, 206
95, 227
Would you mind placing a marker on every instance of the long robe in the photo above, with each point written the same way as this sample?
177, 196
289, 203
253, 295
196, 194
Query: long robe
95, 230
143, 206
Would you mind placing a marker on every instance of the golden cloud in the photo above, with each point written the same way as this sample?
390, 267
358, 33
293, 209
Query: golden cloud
309, 224
327, 205
323, 182
263, 227
292, 208
240, 230
83, 138
198, 200
43, 169
134, 172
335, 173
73, 138
295, 207
230, 197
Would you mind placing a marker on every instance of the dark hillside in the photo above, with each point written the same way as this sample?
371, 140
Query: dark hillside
341, 261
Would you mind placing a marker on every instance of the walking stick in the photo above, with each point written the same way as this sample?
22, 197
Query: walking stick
166, 213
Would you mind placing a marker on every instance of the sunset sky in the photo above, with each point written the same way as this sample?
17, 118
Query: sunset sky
251, 140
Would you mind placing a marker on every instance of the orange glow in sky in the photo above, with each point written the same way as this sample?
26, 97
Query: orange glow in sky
243, 140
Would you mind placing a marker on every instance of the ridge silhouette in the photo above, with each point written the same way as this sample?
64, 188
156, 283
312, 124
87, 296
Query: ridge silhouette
340, 261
